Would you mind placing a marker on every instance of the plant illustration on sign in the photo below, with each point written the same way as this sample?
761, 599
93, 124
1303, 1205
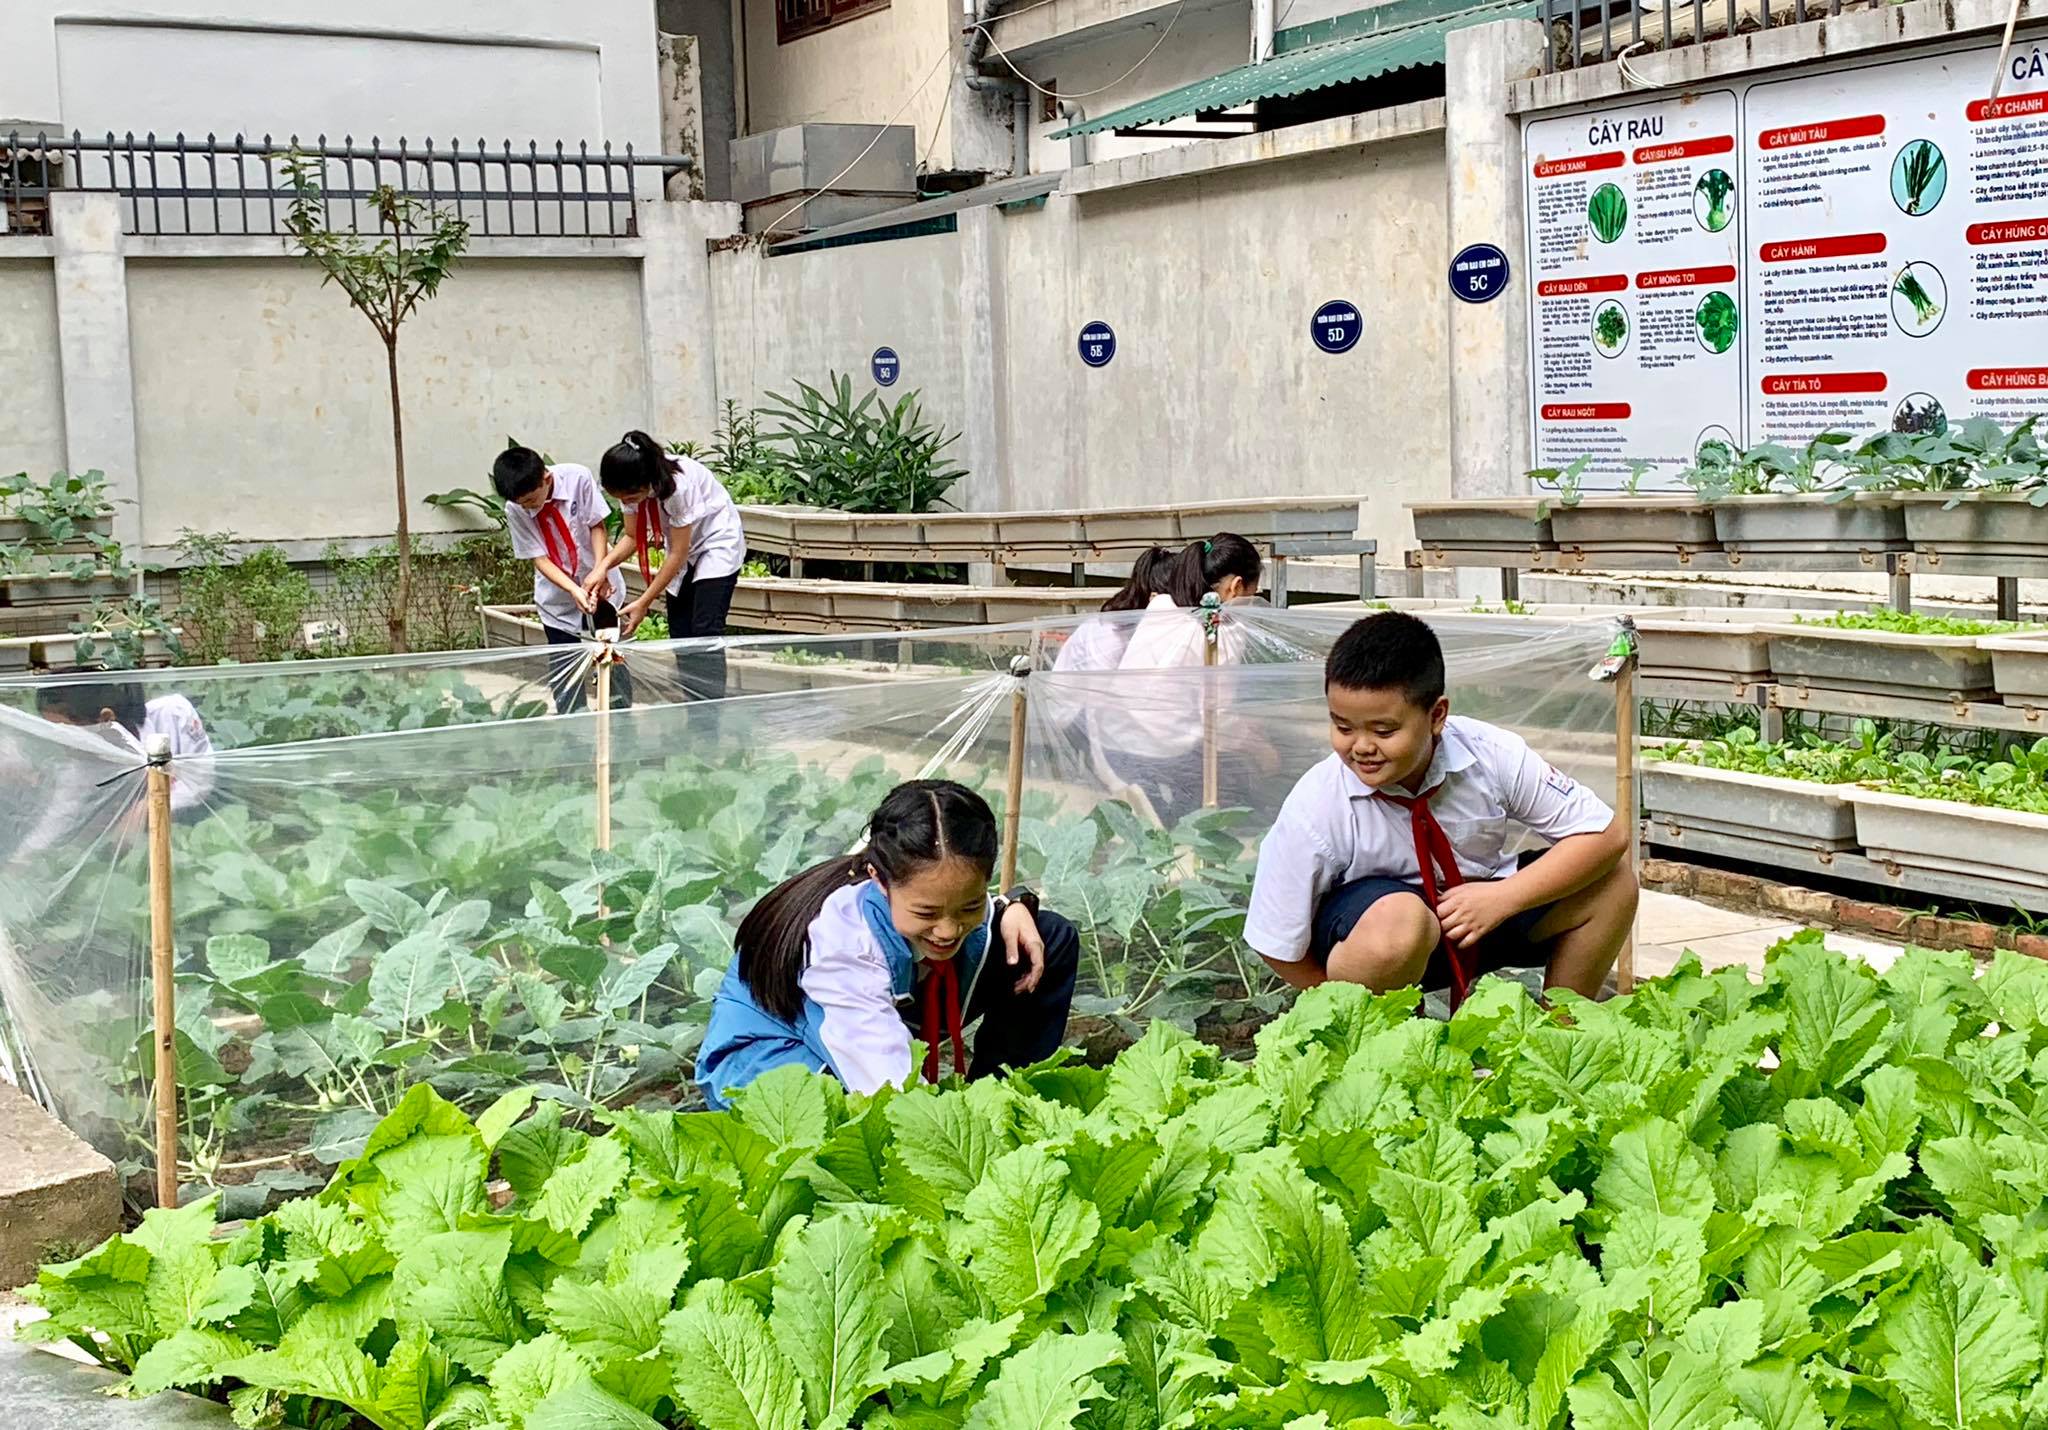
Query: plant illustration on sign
1917, 309
1607, 212
1610, 328
1919, 177
1711, 195
1920, 412
1717, 321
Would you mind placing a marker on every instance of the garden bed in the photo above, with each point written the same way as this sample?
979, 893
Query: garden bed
1484, 524
1975, 523
1735, 650
2019, 668
1795, 813
38, 588
2000, 845
1809, 525
1913, 665
85, 533
1632, 525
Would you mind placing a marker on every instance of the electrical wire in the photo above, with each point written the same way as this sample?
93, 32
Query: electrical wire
908, 100
945, 108
1085, 93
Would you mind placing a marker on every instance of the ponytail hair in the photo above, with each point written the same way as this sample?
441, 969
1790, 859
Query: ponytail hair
1204, 565
637, 464
1148, 579
919, 823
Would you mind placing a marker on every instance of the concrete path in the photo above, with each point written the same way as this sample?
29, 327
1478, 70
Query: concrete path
1667, 925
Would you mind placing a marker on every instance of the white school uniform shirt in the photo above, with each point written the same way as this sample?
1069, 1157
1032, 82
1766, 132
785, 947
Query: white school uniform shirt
718, 542
1333, 828
582, 506
1098, 643
173, 717
847, 976
1157, 715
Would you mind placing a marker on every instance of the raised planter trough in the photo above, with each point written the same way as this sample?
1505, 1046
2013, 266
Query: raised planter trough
1880, 662
1763, 808
1737, 652
1485, 524
1810, 525
2000, 845
1634, 525
16, 531
36, 588
1980, 524
2019, 667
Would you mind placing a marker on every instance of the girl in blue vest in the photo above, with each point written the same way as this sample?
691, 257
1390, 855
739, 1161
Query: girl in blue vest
837, 968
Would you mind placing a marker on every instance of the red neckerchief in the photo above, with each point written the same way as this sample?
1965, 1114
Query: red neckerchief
553, 524
647, 522
942, 995
1433, 852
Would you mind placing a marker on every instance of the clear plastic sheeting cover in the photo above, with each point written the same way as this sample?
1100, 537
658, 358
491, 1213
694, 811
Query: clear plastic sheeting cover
434, 899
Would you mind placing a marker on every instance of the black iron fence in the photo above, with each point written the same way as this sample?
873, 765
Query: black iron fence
238, 186
1611, 30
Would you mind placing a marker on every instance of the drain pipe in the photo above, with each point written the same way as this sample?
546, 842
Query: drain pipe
1077, 147
1262, 31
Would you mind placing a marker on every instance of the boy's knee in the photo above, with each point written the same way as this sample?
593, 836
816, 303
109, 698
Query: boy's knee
1389, 946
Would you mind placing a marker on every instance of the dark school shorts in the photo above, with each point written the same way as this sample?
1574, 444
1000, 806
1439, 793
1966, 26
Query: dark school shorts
1509, 946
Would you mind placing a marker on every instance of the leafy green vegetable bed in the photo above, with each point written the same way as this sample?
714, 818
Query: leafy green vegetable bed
1711, 1204
2017, 782
1883, 618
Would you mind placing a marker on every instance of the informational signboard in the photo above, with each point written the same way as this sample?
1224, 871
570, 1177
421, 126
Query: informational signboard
1098, 344
886, 367
1899, 246
1635, 239
1479, 274
1336, 326
1856, 249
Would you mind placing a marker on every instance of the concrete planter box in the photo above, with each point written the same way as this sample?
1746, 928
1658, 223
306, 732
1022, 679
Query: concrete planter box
513, 626
14, 531
1762, 808
2019, 667
1735, 651
1634, 524
1809, 524
1484, 524
16, 652
53, 651
1882, 662
32, 589
2001, 845
1980, 524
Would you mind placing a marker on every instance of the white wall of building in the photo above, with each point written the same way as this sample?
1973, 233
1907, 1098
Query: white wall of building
1110, 73
32, 413
885, 67
511, 69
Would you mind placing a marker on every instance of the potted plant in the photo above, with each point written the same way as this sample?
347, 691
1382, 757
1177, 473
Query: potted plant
1886, 653
1626, 522
1774, 500
70, 512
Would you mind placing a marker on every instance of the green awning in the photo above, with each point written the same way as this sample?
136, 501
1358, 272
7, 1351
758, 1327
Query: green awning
1298, 70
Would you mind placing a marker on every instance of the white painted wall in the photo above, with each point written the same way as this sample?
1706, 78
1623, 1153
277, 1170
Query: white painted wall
886, 67
32, 412
516, 69
260, 397
780, 320
1114, 72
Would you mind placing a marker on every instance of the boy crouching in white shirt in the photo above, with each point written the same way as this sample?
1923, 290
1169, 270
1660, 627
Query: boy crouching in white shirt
1389, 862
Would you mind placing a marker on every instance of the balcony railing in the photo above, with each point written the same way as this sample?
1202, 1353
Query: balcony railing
182, 185
1609, 30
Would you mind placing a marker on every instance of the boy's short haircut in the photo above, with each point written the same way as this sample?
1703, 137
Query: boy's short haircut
1389, 650
517, 471
80, 702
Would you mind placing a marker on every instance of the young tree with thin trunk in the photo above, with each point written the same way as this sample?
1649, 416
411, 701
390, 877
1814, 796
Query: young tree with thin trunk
386, 281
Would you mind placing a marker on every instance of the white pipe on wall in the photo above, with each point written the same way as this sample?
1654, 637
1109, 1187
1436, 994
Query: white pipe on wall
1262, 31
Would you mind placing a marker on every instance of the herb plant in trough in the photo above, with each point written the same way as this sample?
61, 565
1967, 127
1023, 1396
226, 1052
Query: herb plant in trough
1607, 213
1714, 1204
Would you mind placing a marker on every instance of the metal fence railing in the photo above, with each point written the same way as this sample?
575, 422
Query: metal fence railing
182, 185
1604, 31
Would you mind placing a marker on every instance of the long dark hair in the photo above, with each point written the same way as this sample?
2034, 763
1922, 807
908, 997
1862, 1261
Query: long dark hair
637, 464
1148, 579
1202, 567
918, 824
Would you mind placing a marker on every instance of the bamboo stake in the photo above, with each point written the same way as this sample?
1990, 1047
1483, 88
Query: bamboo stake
1013, 785
1209, 774
1625, 803
163, 970
604, 748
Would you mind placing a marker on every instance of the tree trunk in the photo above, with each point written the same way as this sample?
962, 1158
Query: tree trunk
402, 601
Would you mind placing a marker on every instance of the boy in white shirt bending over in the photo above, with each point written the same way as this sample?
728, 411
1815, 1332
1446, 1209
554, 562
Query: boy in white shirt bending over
117, 708
1389, 864
556, 518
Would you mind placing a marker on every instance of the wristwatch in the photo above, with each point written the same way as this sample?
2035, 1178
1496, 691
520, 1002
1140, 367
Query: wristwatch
1022, 896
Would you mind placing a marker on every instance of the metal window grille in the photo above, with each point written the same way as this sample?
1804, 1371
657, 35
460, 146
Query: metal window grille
1603, 31
181, 185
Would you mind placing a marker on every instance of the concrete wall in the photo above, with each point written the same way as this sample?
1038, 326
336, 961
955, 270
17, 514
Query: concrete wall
781, 320
1109, 73
509, 69
710, 21
288, 434
32, 412
887, 67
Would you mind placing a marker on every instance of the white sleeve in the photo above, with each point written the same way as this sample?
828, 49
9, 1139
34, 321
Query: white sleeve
1295, 869
191, 749
525, 532
1538, 794
863, 1033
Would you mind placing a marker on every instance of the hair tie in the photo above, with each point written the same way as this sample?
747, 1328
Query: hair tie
1208, 547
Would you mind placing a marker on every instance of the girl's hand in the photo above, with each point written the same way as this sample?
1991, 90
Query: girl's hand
1020, 936
597, 580
630, 619
586, 600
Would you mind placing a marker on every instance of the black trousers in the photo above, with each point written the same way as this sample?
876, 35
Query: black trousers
1018, 1029
565, 673
698, 610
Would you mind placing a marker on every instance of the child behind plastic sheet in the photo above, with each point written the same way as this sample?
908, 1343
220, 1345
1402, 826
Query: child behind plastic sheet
556, 518
838, 968
117, 709
1390, 863
1097, 644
